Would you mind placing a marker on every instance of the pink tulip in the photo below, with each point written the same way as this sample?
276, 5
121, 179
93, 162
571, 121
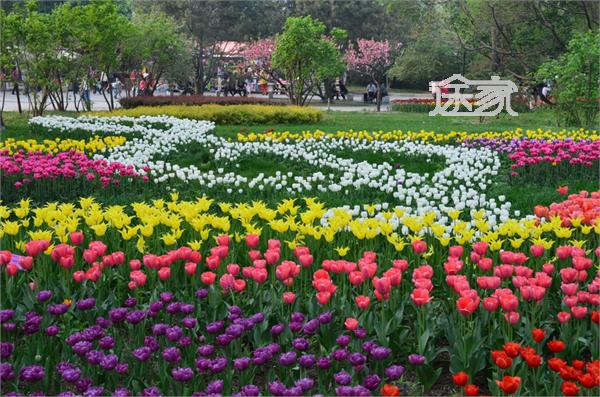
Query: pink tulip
252, 240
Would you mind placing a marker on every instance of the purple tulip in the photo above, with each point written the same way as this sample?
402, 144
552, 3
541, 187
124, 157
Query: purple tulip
173, 307
82, 347
121, 368
381, 353
277, 388
357, 358
106, 343
109, 361
152, 343
311, 326
32, 323
287, 359
215, 327
58, 309
218, 365
171, 354
307, 361
8, 327
305, 384
206, 350
6, 314
295, 326
151, 391
298, 317
360, 332
184, 341
92, 333
343, 340
186, 308
323, 362
67, 393
182, 374
215, 387
71, 375
340, 354
142, 353
277, 329
224, 340
83, 384
342, 378
202, 293
372, 381
166, 296
325, 318
234, 330
117, 315
121, 392
135, 317
6, 349
174, 333
156, 306
250, 391
52, 330
394, 372
189, 322
130, 302
102, 322
6, 372
241, 363
94, 391
94, 357
86, 304
300, 344
43, 296
416, 359
31, 373
159, 329
369, 345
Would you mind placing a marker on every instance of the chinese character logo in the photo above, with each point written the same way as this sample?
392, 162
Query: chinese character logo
489, 96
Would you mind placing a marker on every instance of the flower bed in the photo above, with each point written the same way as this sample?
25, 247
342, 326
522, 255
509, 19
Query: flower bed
232, 114
290, 300
91, 145
134, 102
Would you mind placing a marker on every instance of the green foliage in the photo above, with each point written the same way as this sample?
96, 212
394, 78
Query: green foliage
233, 114
305, 57
576, 80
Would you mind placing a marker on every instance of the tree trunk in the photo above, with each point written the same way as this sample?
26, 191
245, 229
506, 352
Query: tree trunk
2, 108
378, 100
18, 98
200, 70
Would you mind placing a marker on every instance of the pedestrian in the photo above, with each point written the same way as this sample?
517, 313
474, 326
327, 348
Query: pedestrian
116, 87
343, 90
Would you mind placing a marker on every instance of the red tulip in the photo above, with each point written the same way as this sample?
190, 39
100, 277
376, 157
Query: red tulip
213, 262
480, 248
208, 278
252, 240
512, 317
76, 238
239, 285
556, 346
485, 264
323, 297
389, 390
272, 256
471, 390
27, 262
419, 246
420, 296
490, 304
11, 269
466, 306
595, 317
79, 276
138, 277
562, 189
579, 311
351, 323
509, 303
401, 264
233, 269
501, 359
512, 349
536, 250
164, 273
306, 260
569, 388
509, 384
456, 251
190, 268
362, 301
460, 379
356, 278
66, 262
538, 334
223, 240
563, 317
135, 264
289, 297
98, 246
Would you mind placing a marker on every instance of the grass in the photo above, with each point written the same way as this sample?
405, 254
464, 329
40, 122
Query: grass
524, 194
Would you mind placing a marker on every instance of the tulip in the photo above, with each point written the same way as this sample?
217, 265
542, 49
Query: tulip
419, 246
190, 268
460, 379
252, 240
509, 384
289, 297
490, 304
420, 296
536, 250
456, 251
164, 273
76, 238
466, 306
79, 276
471, 390
362, 301
351, 323
556, 346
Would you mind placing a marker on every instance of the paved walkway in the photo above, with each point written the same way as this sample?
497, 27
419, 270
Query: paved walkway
98, 102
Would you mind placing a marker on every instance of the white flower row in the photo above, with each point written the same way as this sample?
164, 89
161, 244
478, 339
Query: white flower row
460, 185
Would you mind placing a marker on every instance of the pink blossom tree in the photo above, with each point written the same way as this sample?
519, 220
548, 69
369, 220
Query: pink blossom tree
257, 56
373, 59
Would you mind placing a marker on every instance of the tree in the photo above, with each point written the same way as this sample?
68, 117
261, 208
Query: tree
373, 59
576, 80
304, 56
156, 42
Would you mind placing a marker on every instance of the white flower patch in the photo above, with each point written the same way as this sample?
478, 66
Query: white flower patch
460, 185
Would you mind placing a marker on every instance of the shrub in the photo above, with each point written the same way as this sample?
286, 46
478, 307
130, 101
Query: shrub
134, 102
233, 114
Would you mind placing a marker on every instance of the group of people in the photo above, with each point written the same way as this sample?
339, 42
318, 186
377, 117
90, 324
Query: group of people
371, 94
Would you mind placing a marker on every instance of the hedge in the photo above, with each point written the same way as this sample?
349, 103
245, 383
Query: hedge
134, 102
233, 114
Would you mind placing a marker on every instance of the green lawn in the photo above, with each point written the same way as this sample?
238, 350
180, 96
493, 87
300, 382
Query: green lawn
524, 194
